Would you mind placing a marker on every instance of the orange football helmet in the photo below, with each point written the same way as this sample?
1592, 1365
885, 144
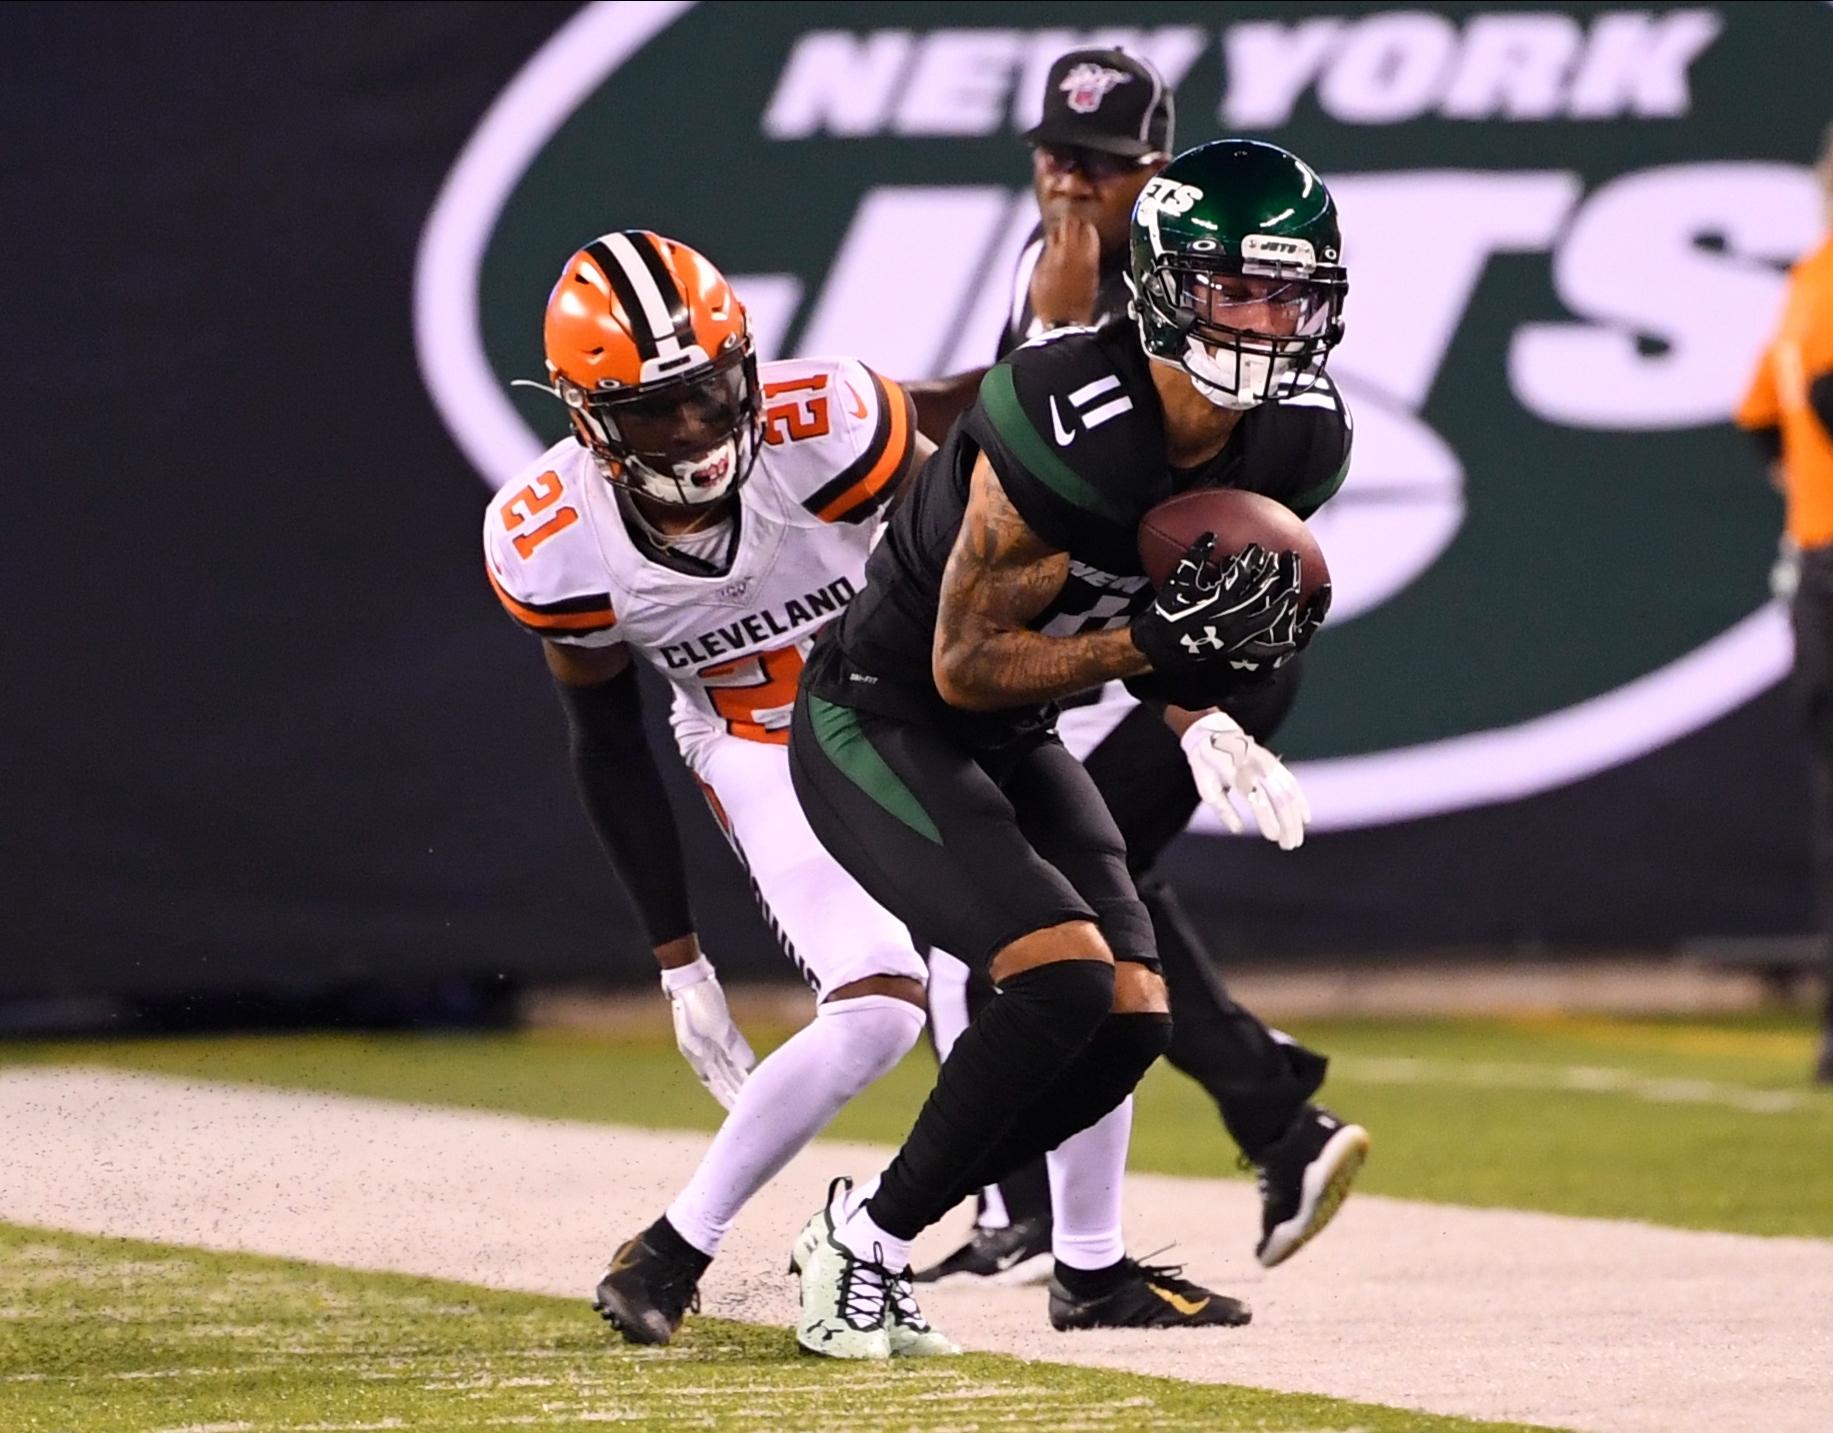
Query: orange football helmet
651, 352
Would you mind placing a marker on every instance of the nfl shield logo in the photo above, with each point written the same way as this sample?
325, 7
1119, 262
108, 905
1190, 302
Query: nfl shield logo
1087, 85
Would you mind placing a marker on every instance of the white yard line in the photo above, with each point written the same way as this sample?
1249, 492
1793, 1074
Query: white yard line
1583, 1079
1583, 1323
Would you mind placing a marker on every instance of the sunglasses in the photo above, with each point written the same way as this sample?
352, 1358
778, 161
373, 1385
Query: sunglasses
1094, 165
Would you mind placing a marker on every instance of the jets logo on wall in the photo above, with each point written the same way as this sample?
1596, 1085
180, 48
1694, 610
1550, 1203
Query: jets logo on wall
1550, 552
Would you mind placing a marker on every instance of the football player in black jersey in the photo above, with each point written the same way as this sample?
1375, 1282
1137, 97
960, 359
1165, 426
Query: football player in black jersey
1108, 126
923, 749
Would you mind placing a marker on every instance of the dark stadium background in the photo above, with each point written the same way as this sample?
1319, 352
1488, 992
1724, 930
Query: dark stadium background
271, 752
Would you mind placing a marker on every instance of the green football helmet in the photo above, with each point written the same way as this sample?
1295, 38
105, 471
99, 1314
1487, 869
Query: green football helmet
1236, 271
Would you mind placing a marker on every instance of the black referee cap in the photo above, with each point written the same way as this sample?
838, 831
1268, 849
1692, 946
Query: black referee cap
1107, 100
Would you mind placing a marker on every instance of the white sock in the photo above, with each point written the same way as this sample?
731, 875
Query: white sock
786, 1101
1087, 1175
947, 1000
868, 1241
856, 1196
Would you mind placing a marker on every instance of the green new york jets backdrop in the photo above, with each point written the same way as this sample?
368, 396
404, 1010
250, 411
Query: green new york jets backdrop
342, 766
1565, 229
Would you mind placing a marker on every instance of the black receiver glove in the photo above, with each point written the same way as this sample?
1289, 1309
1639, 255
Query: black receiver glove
1289, 635
1203, 614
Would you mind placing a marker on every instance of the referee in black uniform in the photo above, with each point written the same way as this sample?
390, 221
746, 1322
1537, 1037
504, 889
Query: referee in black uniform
1107, 128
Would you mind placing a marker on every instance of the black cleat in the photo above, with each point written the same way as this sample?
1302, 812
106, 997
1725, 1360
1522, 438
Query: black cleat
1146, 1296
645, 1293
1304, 1178
1017, 1254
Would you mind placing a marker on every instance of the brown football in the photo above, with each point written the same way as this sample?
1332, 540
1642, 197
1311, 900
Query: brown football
1237, 519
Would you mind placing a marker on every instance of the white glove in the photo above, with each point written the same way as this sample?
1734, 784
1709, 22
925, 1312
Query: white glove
704, 1031
1226, 760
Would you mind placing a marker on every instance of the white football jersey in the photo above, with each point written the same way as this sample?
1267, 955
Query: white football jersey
561, 558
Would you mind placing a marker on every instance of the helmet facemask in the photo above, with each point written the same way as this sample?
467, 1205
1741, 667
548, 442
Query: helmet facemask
1245, 331
687, 440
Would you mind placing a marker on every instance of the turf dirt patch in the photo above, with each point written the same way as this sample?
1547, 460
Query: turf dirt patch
1703, 1124
1497, 1314
114, 1336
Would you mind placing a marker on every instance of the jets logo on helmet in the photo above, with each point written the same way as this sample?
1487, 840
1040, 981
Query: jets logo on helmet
651, 352
1087, 85
1225, 273
1167, 196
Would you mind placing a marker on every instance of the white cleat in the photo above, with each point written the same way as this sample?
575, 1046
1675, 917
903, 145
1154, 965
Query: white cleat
911, 1333
812, 1234
844, 1297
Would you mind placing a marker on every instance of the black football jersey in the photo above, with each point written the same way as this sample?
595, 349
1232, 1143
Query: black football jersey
1072, 426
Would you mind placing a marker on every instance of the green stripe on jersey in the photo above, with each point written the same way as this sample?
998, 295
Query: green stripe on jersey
1000, 399
839, 734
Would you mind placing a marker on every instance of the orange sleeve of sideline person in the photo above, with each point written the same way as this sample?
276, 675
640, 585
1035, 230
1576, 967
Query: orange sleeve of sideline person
1801, 352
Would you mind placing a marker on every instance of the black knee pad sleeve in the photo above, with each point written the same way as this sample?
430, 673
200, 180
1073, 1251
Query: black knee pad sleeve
1005, 1062
1064, 1002
1136, 1040
1104, 1074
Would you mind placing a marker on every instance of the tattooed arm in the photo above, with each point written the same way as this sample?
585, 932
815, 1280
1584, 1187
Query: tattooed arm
1000, 575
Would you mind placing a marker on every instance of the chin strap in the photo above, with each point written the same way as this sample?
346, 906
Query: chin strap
1253, 373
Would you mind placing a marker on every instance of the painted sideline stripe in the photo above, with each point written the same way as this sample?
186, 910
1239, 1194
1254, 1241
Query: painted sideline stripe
1586, 1079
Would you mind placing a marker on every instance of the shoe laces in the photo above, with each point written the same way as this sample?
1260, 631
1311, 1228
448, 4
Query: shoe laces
679, 1287
901, 1300
864, 1286
1166, 1276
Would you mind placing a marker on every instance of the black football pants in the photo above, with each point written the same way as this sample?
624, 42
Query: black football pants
1259, 1080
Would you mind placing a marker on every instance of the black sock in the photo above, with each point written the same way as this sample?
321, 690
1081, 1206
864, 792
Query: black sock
666, 1240
1004, 1060
1091, 1283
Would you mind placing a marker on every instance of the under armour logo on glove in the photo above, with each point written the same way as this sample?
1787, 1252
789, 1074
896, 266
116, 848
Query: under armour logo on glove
1204, 613
1197, 643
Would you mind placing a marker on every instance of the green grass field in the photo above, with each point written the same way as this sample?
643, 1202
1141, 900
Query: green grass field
110, 1336
1699, 1123
1672, 1137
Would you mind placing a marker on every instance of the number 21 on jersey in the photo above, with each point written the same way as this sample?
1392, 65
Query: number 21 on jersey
802, 416
529, 504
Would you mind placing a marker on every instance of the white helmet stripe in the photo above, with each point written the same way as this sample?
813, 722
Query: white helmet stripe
649, 298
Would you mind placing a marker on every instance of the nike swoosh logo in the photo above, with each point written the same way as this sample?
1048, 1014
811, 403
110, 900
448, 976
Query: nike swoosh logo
859, 404
622, 1259
1189, 1308
1064, 436
1006, 1261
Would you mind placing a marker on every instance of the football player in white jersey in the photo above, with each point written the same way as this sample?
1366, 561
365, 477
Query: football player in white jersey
708, 515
